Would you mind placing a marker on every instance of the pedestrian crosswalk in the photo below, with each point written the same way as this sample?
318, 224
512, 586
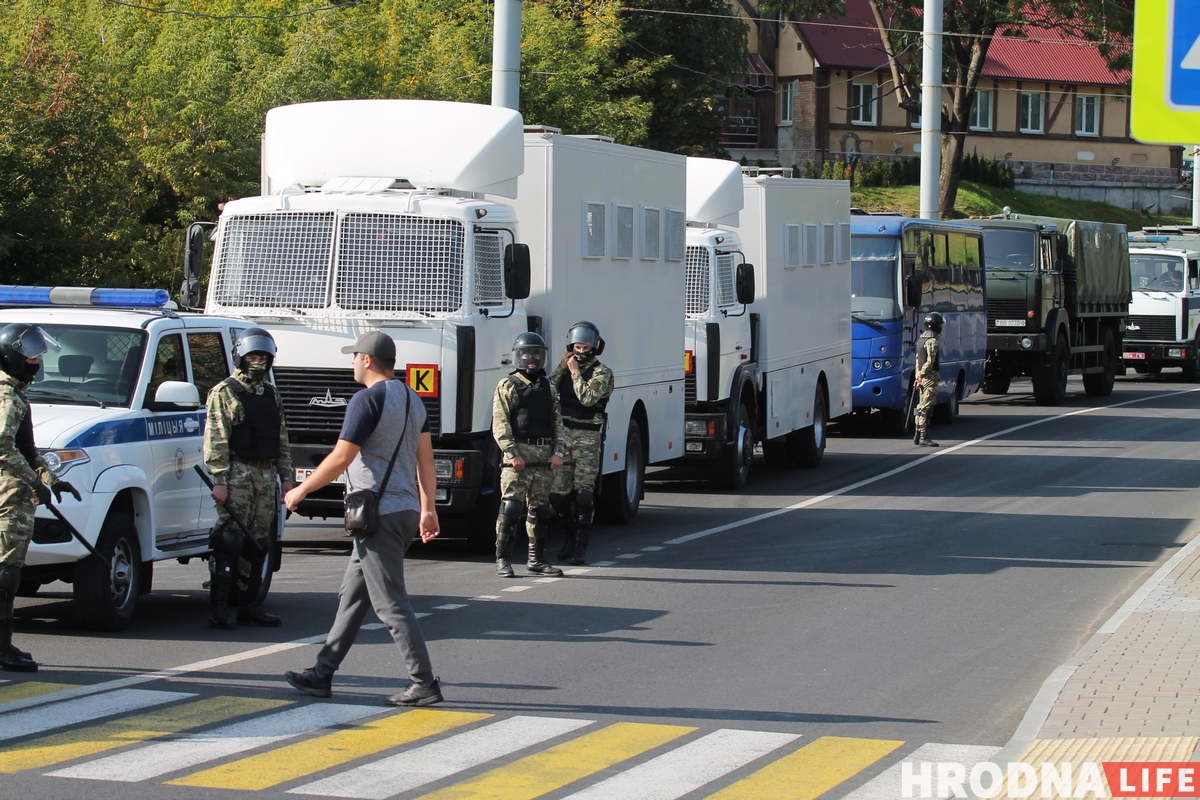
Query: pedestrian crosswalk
332, 749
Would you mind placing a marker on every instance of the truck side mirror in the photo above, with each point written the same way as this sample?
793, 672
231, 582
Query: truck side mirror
912, 291
744, 281
516, 271
193, 266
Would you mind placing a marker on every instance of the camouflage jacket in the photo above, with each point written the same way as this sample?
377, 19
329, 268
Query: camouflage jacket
13, 408
927, 357
589, 392
504, 401
225, 411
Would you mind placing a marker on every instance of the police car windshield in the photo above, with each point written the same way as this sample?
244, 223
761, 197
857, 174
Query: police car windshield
1156, 273
96, 366
874, 263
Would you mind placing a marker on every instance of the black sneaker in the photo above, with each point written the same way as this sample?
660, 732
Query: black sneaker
310, 682
418, 695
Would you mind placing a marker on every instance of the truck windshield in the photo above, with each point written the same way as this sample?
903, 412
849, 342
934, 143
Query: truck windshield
96, 366
1156, 273
874, 261
1011, 249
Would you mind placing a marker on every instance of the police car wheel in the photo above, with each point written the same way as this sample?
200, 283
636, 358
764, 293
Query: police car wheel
106, 591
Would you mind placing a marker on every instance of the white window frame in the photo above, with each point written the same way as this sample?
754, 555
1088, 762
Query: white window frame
1024, 102
787, 102
1081, 101
981, 107
861, 112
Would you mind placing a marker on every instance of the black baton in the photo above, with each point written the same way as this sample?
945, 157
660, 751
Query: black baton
232, 514
540, 464
73, 531
911, 397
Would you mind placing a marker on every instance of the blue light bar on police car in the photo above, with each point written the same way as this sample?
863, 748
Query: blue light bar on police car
82, 296
1149, 239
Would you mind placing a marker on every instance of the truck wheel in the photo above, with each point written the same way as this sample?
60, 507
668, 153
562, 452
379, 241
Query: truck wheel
946, 412
1191, 370
622, 491
106, 591
1050, 381
808, 445
1100, 384
734, 467
996, 382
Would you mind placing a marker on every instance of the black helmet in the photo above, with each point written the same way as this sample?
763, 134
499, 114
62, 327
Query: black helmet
529, 353
254, 340
20, 341
584, 332
934, 322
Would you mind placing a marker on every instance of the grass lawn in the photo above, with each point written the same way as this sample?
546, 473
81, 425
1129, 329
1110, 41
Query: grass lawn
981, 200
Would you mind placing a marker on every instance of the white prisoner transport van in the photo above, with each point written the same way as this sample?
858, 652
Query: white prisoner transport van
1163, 328
373, 217
119, 412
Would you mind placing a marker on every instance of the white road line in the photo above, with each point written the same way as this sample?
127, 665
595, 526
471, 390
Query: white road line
418, 615
517, 589
603, 563
373, 626
576, 572
487, 597
886, 786
23, 723
630, 555
147, 762
547, 580
945, 451
450, 606
687, 768
441, 759
652, 549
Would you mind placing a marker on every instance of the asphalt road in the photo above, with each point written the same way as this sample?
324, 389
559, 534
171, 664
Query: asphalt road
795, 639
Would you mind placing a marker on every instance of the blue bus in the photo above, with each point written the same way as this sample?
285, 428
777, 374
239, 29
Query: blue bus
902, 269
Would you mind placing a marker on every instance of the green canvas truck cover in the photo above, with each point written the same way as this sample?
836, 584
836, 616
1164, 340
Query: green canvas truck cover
1101, 253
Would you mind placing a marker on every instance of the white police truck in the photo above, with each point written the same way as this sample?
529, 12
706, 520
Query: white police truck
118, 411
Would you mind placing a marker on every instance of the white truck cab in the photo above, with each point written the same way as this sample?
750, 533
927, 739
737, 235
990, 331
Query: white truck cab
119, 412
1164, 315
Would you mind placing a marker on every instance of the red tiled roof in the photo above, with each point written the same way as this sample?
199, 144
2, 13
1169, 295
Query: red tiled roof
851, 42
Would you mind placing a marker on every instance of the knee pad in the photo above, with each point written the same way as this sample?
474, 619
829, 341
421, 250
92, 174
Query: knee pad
546, 512
512, 511
584, 505
10, 579
561, 504
227, 543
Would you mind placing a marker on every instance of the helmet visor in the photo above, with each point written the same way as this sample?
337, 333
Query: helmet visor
256, 344
34, 343
583, 334
530, 358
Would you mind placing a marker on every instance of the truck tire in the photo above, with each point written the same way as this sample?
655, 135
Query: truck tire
1191, 370
808, 444
622, 491
106, 592
996, 382
1100, 384
947, 412
732, 470
1050, 381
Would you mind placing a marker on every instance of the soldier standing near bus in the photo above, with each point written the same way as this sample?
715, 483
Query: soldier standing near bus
527, 425
927, 377
584, 386
245, 449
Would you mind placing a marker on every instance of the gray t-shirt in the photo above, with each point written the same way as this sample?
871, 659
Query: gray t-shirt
374, 421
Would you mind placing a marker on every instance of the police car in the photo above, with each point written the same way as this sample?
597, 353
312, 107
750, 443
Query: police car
119, 412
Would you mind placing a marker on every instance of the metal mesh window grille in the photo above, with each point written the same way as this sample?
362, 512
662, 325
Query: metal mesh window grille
593, 230
791, 245
393, 262
811, 245
118, 345
843, 253
623, 247
697, 280
676, 234
489, 269
274, 260
726, 294
651, 233
828, 242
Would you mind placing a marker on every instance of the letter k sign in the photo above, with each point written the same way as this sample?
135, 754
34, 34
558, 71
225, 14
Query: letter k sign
1184, 43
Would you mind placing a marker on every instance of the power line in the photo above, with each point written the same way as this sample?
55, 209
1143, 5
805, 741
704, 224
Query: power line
201, 15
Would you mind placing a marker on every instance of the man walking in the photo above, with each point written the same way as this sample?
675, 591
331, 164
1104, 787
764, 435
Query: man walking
385, 433
927, 377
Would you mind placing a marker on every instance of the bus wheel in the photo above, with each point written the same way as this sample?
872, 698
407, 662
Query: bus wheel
947, 412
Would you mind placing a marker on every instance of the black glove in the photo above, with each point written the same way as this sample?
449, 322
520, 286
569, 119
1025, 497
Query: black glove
43, 493
63, 487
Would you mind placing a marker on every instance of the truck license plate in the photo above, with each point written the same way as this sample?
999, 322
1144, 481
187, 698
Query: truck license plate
1135, 356
1010, 323
302, 475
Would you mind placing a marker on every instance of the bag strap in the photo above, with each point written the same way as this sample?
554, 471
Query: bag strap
396, 452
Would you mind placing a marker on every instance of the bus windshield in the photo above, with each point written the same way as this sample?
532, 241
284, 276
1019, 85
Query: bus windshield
874, 261
1010, 249
1156, 273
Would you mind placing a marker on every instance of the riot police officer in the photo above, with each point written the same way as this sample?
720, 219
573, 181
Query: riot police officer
527, 425
245, 449
927, 377
23, 474
584, 386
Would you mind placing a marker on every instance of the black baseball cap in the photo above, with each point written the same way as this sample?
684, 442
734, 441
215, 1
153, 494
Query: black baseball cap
376, 344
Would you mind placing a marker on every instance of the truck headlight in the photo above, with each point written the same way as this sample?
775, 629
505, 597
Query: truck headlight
59, 461
1025, 342
1174, 352
450, 470
699, 428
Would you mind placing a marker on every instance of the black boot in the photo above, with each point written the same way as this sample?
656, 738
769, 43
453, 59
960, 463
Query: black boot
570, 535
503, 554
221, 616
249, 609
537, 560
11, 659
579, 557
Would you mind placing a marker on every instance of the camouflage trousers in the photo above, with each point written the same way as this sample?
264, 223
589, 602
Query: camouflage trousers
581, 451
926, 402
17, 504
252, 497
530, 486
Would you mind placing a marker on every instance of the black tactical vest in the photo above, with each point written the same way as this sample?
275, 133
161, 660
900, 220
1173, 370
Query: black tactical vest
533, 415
571, 407
937, 360
256, 437
24, 439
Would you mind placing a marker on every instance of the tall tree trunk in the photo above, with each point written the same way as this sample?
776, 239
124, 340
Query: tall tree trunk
953, 143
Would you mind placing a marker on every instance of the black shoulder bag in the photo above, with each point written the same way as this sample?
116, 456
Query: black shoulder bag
362, 506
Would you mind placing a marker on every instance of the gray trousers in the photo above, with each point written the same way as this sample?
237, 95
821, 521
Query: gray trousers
375, 580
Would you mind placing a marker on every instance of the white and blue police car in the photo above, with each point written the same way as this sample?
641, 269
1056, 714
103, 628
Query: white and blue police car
119, 412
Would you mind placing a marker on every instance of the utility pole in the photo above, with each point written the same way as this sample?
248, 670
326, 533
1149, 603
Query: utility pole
506, 55
931, 108
1195, 185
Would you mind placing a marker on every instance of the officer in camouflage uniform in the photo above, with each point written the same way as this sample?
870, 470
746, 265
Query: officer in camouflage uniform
528, 427
584, 386
245, 449
23, 474
927, 376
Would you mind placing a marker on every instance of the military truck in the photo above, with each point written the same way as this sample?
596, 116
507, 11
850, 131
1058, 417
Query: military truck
1057, 298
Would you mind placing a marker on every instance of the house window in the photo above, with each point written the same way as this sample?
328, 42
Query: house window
862, 103
981, 110
787, 102
1087, 109
1031, 111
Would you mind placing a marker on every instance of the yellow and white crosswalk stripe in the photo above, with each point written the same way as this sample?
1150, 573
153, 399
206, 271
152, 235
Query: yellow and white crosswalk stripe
811, 771
21, 691
59, 715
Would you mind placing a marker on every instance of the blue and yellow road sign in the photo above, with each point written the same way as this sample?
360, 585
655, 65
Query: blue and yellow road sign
1166, 71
